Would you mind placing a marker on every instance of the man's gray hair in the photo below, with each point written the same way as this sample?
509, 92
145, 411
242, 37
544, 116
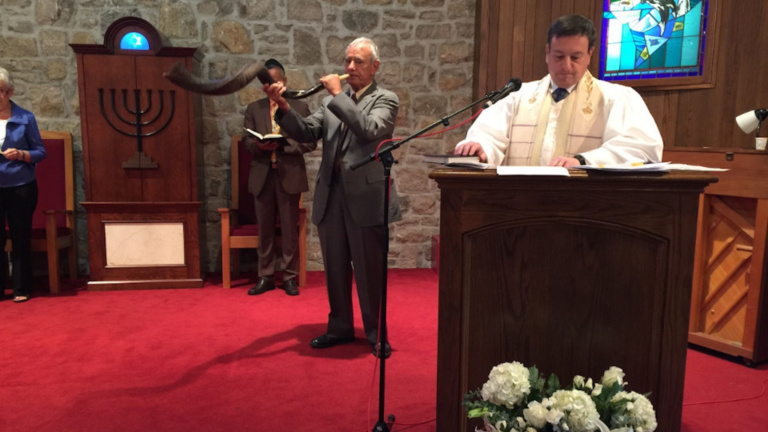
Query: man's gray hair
5, 77
371, 44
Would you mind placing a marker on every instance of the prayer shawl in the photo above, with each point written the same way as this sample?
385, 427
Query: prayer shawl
580, 125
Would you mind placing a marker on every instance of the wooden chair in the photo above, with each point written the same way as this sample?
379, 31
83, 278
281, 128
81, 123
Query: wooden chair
239, 228
53, 223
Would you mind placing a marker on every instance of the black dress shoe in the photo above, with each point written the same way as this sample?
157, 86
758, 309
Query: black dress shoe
291, 287
326, 341
265, 284
387, 350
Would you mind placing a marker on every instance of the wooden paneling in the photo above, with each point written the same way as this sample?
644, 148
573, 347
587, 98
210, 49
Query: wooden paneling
106, 149
510, 41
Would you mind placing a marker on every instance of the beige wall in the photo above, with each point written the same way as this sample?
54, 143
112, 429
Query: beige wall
427, 58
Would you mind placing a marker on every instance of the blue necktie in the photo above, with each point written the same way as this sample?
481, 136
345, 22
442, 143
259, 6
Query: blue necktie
559, 94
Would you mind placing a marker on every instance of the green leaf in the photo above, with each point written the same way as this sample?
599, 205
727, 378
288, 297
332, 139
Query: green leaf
534, 374
477, 412
553, 384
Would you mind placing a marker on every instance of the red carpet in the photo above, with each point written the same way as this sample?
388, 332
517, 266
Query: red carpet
212, 359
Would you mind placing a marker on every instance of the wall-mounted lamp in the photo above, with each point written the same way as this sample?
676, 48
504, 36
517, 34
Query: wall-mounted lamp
751, 120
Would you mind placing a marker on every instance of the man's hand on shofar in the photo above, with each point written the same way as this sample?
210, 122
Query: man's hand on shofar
275, 92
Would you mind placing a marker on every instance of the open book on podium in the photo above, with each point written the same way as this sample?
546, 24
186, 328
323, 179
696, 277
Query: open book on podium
458, 161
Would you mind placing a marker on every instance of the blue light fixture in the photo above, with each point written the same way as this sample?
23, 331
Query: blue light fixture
134, 41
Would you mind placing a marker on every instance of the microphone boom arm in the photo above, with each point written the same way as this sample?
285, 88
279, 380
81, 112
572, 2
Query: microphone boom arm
445, 121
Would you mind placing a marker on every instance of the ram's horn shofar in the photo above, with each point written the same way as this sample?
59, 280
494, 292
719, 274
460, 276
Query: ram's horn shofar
180, 76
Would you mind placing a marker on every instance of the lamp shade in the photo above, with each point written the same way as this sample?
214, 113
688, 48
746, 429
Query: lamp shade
750, 120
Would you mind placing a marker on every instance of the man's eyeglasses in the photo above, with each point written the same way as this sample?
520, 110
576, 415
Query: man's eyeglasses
5, 91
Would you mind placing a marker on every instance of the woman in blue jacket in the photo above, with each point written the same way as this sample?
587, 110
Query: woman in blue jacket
22, 148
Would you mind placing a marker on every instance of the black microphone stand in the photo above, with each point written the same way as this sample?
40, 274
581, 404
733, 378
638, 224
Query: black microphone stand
387, 160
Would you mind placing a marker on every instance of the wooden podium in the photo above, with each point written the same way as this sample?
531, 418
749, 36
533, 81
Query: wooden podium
141, 142
571, 274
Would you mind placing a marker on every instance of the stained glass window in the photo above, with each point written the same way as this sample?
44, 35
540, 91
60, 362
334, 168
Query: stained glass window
646, 39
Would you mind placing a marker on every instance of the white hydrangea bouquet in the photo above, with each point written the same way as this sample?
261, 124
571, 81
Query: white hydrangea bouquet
518, 399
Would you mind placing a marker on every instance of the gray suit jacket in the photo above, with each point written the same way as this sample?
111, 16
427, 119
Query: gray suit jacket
290, 166
370, 121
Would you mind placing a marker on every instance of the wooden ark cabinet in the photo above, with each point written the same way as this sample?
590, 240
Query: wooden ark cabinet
141, 146
729, 305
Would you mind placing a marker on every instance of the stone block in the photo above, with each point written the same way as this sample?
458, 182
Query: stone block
452, 79
14, 47
56, 70
306, 47
456, 52
177, 19
257, 10
433, 31
47, 101
426, 105
360, 21
53, 43
231, 37
305, 10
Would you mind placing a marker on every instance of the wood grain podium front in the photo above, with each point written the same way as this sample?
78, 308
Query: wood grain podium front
571, 274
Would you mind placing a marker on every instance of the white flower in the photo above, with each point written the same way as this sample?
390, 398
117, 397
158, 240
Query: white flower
578, 409
536, 414
578, 381
498, 427
554, 416
597, 390
501, 425
589, 384
613, 375
508, 384
637, 412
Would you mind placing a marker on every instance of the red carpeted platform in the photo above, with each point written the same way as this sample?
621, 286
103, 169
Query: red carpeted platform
212, 359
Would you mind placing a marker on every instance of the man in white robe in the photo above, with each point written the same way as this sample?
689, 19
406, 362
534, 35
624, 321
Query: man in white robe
567, 118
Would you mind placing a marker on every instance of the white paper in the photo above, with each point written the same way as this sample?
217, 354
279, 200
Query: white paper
532, 170
684, 167
634, 167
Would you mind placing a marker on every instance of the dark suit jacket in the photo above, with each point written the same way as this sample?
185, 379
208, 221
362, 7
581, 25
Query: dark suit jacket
370, 121
290, 167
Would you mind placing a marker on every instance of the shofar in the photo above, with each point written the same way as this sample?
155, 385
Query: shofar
180, 76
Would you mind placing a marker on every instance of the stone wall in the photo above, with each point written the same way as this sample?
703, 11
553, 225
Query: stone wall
426, 49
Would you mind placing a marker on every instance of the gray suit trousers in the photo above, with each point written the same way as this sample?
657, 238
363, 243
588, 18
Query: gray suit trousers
343, 241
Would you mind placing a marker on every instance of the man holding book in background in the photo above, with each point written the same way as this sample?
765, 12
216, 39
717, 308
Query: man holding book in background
277, 178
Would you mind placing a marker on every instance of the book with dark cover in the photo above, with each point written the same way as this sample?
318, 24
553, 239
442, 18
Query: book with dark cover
450, 159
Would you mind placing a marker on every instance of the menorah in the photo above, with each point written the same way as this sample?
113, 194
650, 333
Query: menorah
139, 160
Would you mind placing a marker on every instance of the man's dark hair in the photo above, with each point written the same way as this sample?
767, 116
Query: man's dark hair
572, 25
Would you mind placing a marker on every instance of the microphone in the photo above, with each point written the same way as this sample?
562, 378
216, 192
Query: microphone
512, 85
